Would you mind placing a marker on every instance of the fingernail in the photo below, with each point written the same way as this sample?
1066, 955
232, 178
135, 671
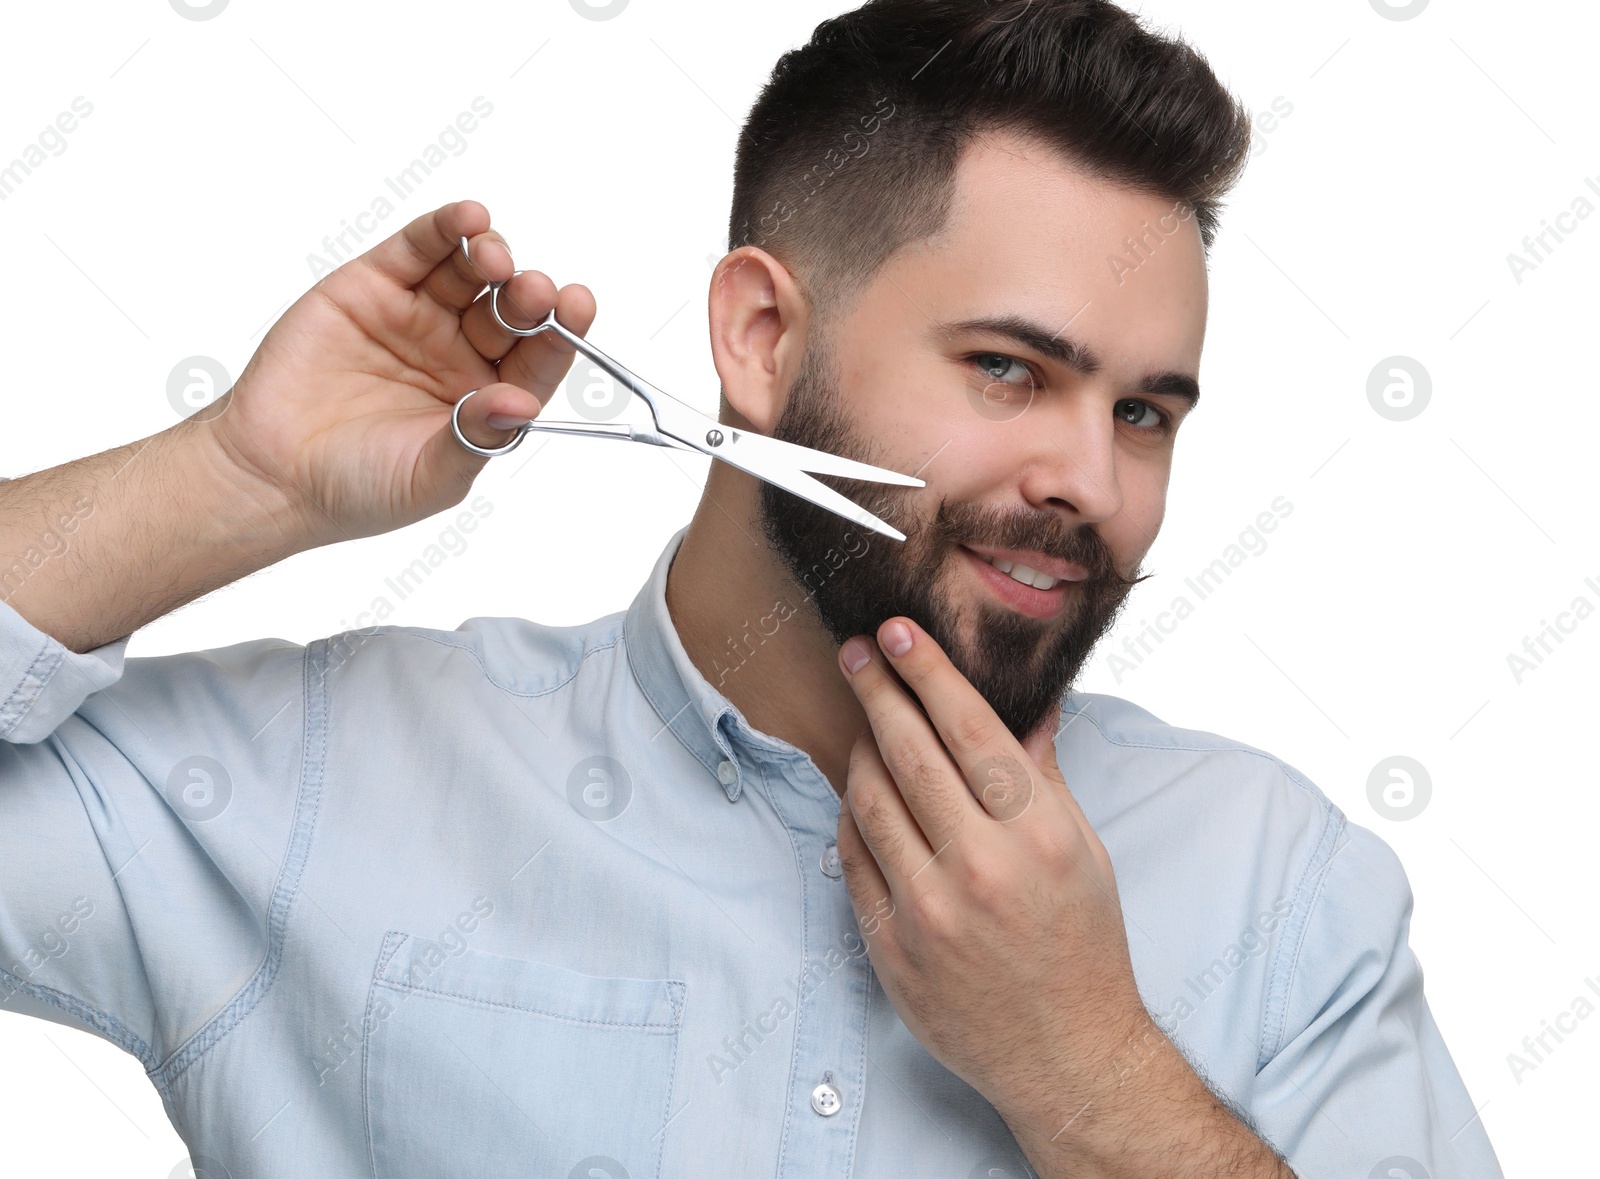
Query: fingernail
856, 653
896, 638
500, 421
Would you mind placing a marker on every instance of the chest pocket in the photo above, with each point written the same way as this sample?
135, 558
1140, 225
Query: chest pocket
482, 1065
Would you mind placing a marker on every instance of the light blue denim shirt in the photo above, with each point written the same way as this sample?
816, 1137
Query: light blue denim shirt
525, 900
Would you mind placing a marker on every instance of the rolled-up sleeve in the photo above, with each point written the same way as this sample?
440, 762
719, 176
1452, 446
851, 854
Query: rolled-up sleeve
43, 681
1356, 1072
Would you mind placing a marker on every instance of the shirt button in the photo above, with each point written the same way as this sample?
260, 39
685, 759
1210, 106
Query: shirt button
825, 1100
726, 772
830, 861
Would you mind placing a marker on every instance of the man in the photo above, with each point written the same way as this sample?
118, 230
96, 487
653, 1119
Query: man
808, 863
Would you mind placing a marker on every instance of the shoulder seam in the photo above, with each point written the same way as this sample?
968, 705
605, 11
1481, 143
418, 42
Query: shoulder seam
1307, 890
1286, 960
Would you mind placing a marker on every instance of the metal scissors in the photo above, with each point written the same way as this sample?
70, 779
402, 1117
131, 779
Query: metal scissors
682, 427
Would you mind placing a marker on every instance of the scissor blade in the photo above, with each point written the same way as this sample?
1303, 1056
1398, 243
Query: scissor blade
782, 464
819, 462
760, 455
803, 485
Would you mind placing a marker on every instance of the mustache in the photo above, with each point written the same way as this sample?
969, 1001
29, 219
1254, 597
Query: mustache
969, 523
817, 422
972, 524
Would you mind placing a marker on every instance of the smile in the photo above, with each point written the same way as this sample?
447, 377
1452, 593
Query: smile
1021, 572
1023, 589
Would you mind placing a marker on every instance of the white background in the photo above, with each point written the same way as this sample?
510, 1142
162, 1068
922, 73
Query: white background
1375, 220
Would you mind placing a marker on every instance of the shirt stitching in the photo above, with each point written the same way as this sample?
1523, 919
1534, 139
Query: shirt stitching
113, 1028
28, 686
805, 958
392, 941
476, 1001
1282, 974
861, 1072
649, 692
677, 993
316, 708
106, 1024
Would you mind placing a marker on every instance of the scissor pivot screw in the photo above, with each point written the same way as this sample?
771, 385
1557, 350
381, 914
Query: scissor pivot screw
713, 437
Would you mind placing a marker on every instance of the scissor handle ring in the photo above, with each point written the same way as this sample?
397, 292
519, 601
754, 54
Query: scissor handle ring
485, 451
494, 302
494, 309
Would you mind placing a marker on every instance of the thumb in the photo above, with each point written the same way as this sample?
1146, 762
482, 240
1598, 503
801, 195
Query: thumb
485, 421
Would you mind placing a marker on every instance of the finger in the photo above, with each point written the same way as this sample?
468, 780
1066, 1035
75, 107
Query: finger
408, 257
875, 801
1000, 772
869, 891
524, 302
930, 782
492, 416
461, 276
537, 363
540, 362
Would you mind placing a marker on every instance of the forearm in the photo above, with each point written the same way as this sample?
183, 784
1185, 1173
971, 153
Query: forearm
1149, 1114
96, 548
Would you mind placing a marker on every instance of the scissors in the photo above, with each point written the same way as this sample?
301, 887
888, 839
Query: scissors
783, 464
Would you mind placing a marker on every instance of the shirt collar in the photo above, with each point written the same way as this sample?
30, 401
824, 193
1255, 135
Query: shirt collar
688, 705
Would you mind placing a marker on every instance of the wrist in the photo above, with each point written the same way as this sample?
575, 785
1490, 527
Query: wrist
1141, 1110
244, 519
1069, 1125
242, 511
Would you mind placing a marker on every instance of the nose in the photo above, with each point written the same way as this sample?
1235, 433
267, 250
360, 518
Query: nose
1072, 459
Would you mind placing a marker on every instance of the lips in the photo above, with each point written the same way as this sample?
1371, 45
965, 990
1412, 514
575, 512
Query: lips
1025, 597
1022, 573
1029, 567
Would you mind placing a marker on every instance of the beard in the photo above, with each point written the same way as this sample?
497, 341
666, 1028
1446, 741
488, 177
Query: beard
855, 579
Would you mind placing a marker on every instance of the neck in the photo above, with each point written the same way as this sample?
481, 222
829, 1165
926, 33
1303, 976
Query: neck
748, 629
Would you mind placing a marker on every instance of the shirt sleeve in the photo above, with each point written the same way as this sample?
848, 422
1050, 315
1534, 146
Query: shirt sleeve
1360, 1074
144, 806
44, 681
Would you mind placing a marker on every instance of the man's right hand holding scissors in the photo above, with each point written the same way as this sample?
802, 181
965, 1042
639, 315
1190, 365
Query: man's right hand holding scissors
346, 404
338, 428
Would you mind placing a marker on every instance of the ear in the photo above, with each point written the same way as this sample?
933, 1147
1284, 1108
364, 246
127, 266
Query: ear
759, 319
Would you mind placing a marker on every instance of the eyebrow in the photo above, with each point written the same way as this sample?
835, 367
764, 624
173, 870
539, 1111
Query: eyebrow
1070, 353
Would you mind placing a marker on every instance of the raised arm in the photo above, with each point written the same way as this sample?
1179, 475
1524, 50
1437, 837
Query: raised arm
339, 427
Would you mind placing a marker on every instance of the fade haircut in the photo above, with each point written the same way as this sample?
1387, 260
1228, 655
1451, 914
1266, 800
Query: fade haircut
850, 151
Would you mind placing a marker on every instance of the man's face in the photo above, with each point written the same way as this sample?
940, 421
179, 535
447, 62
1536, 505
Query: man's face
1026, 452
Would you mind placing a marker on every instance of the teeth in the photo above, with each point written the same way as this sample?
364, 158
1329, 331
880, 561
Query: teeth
1022, 573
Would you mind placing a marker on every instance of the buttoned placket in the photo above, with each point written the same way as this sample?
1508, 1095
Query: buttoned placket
829, 987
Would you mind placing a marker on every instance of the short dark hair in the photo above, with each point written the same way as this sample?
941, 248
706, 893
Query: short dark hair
851, 148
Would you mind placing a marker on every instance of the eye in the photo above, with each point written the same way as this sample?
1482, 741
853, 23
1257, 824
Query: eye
995, 366
1143, 415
